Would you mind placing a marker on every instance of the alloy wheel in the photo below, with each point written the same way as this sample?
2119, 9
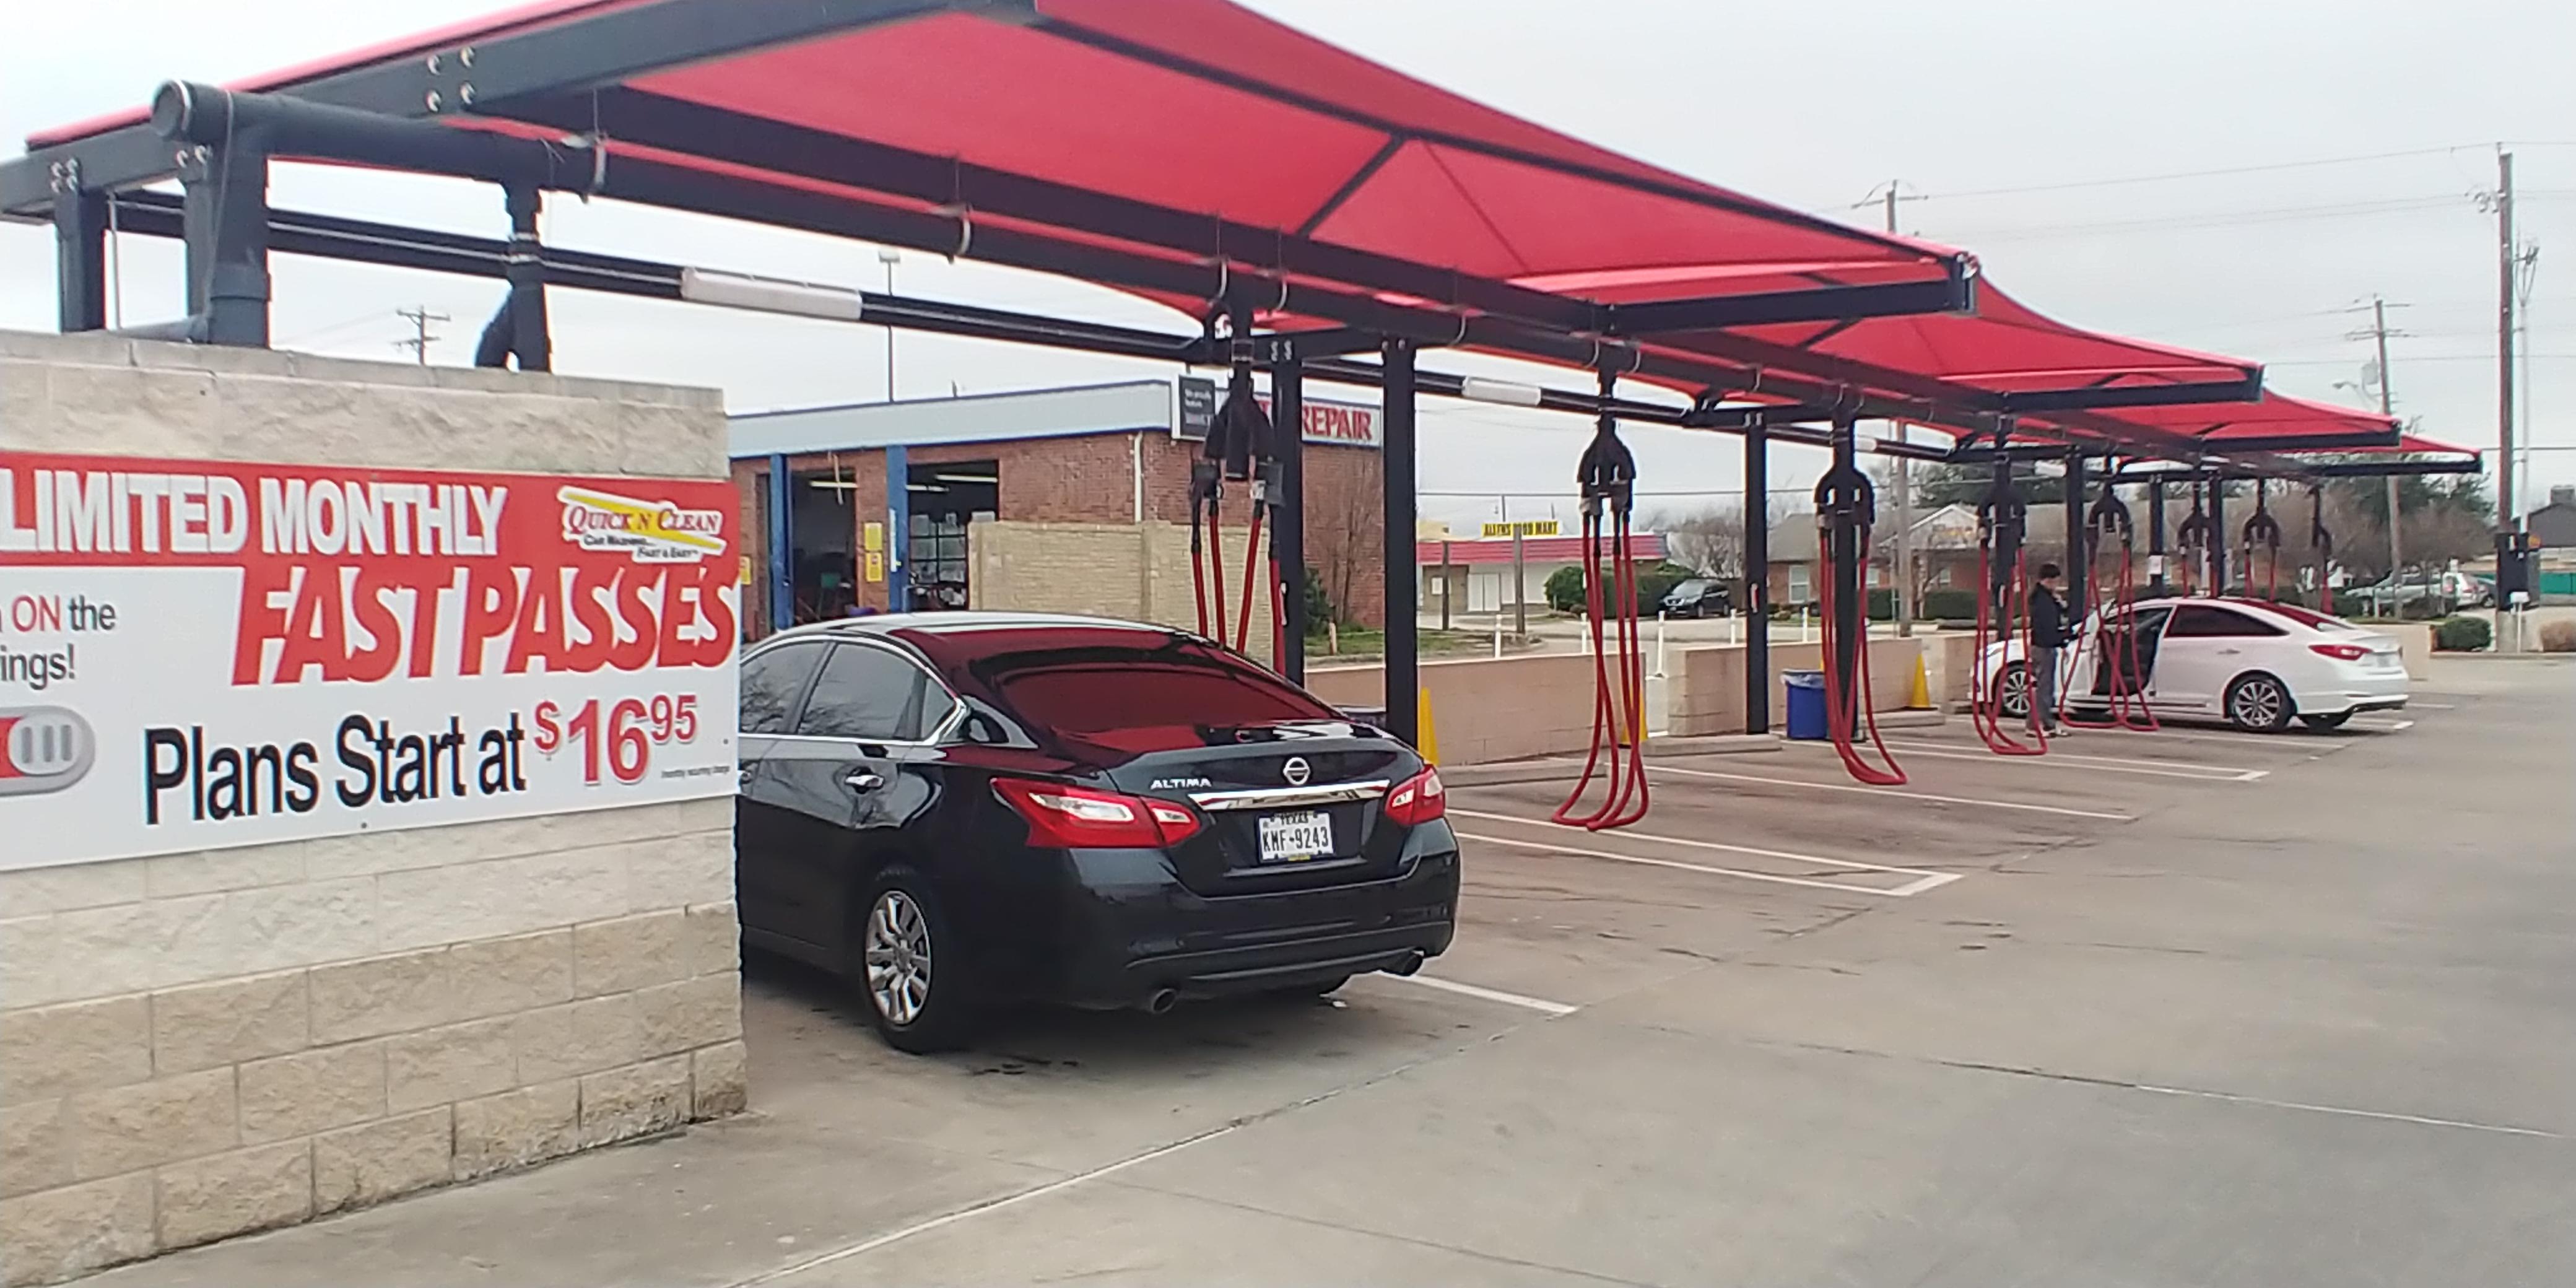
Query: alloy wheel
2258, 704
898, 957
2013, 691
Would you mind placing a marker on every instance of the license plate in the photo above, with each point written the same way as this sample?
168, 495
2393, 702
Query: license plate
1294, 838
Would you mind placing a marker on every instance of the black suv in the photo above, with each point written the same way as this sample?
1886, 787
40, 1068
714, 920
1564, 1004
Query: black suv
1697, 597
959, 809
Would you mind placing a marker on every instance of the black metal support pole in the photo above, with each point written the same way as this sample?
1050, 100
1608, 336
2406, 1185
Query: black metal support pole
1757, 578
2156, 534
1288, 522
80, 261
1851, 606
226, 226
2217, 536
2079, 543
529, 341
1395, 460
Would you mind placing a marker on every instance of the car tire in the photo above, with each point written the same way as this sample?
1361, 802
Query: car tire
909, 976
2323, 723
2258, 702
2012, 690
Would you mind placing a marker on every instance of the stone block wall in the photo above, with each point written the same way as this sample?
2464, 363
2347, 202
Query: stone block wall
1140, 572
197, 1045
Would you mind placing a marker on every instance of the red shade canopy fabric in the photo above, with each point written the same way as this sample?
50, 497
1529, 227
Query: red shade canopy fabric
1161, 116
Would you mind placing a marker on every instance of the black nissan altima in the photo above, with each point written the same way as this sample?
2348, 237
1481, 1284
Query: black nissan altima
954, 810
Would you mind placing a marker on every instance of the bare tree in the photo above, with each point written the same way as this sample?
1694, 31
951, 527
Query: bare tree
1345, 533
1710, 540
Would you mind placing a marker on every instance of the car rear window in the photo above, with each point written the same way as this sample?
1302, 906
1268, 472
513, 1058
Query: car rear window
1150, 691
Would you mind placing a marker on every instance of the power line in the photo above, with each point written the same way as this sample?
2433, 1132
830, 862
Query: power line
2223, 171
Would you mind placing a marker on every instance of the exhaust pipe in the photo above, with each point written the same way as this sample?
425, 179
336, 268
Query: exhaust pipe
1161, 1001
1412, 962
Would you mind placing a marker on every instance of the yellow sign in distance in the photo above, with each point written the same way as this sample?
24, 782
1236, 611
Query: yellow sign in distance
1522, 528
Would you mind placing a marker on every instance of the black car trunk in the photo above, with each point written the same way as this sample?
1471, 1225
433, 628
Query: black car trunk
1290, 805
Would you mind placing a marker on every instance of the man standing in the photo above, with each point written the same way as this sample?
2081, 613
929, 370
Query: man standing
2048, 634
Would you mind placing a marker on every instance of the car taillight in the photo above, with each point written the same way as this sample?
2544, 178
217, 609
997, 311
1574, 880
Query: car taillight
1418, 800
2341, 652
1067, 818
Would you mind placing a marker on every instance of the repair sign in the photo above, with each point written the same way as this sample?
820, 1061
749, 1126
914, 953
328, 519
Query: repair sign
200, 654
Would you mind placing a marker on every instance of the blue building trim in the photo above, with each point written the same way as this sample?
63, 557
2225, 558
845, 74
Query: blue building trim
782, 545
898, 472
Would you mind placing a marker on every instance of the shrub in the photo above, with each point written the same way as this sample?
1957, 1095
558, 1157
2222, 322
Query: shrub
2462, 634
1949, 605
1320, 611
1654, 581
1882, 604
2558, 637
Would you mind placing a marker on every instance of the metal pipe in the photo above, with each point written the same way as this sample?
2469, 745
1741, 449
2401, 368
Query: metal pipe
2156, 534
2079, 548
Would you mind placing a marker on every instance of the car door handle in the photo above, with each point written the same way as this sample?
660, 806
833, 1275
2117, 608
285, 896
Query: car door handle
863, 781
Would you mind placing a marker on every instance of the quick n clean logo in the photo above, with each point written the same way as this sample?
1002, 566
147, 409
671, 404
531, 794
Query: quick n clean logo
43, 749
649, 531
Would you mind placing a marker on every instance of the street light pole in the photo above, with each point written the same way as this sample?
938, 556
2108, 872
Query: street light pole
889, 256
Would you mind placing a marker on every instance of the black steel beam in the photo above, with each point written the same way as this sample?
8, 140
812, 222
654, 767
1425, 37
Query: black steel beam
1396, 466
188, 113
1757, 579
2110, 397
80, 262
2079, 549
1956, 293
1288, 529
525, 270
1340, 341
2302, 442
600, 49
2155, 531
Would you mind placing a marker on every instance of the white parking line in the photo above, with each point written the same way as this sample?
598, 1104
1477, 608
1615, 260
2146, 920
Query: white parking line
1901, 793
2106, 764
1904, 891
1539, 1004
1693, 843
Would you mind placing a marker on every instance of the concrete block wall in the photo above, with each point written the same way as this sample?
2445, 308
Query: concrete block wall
197, 1045
1135, 571
1486, 709
1709, 695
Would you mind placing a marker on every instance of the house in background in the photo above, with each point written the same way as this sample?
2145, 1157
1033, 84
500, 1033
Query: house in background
1475, 573
2553, 526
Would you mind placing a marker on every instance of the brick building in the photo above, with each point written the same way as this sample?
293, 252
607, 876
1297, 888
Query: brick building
880, 498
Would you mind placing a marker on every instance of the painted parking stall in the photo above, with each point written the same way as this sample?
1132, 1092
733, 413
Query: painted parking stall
197, 654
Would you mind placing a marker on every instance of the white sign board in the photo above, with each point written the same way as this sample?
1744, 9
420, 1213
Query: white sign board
198, 654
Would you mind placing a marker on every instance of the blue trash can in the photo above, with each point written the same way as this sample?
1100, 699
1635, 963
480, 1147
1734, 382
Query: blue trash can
1805, 704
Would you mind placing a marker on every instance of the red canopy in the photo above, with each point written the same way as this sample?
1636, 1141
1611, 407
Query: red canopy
1198, 132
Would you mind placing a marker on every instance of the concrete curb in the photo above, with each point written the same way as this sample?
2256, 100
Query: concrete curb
1561, 768
1713, 744
1910, 718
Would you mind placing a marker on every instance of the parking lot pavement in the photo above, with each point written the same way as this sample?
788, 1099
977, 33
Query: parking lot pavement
2307, 1026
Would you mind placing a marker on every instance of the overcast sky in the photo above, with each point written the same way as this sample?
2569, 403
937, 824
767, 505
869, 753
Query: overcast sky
2015, 121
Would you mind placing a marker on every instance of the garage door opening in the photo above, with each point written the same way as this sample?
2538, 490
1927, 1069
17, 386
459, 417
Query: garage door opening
825, 571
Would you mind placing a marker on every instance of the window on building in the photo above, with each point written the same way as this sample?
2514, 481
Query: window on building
1800, 586
945, 499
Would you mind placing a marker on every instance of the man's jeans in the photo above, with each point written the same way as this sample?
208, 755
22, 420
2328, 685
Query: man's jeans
2043, 687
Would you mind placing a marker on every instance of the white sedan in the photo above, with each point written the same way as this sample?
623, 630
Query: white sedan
2255, 664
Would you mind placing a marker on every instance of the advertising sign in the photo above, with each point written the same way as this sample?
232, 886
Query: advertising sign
1349, 424
1522, 528
201, 654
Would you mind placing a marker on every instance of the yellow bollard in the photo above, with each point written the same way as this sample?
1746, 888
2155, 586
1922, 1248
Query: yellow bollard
1429, 736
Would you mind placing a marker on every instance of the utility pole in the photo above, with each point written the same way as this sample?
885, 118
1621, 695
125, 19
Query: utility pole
420, 317
2387, 407
2507, 270
1904, 480
2507, 266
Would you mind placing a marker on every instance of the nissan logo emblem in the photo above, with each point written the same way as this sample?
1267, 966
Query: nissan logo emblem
1296, 771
